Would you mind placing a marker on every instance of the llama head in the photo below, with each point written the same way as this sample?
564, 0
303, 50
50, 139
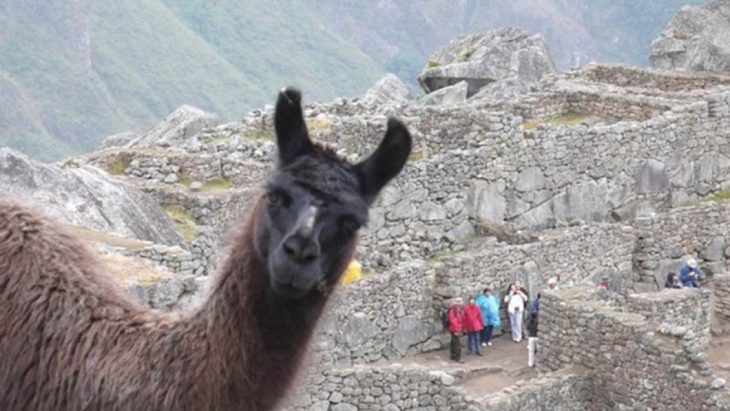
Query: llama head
315, 202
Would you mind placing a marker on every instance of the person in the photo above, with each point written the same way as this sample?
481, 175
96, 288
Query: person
553, 283
690, 273
473, 325
672, 281
489, 306
515, 300
603, 285
456, 328
532, 339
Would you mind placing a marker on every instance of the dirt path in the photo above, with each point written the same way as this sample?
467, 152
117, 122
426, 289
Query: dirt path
719, 356
501, 365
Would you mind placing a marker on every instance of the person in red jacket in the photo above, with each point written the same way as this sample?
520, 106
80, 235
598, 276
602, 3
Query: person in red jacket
473, 325
456, 327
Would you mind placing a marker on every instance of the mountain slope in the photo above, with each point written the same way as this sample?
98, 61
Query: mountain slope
73, 72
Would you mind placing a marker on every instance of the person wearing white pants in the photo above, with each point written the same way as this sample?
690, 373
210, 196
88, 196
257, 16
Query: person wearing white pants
515, 300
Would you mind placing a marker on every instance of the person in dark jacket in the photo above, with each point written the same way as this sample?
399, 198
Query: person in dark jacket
456, 328
473, 325
672, 281
532, 339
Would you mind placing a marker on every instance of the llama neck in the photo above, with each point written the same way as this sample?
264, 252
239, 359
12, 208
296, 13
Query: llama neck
252, 329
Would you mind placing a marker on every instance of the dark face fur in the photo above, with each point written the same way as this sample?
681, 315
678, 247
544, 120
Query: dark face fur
316, 202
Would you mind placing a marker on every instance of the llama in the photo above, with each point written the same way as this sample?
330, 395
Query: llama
71, 340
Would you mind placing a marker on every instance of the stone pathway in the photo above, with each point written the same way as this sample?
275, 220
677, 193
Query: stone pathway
502, 365
719, 356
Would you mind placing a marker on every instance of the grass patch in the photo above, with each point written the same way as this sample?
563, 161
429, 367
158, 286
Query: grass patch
439, 256
185, 180
418, 155
217, 184
219, 140
184, 222
466, 56
118, 166
722, 196
319, 124
433, 63
569, 119
258, 136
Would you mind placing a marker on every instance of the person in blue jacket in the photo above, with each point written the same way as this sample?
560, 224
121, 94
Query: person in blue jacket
690, 273
489, 306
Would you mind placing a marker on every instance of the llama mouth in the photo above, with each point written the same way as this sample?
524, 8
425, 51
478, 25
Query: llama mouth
288, 291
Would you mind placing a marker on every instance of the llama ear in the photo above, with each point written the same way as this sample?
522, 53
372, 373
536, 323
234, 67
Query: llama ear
387, 160
292, 138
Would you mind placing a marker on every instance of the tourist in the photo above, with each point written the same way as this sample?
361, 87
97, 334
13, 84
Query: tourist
456, 328
672, 281
473, 325
553, 283
516, 300
603, 284
690, 273
532, 332
489, 306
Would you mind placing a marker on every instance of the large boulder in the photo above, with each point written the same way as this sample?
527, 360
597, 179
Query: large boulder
509, 54
697, 39
86, 197
179, 126
387, 91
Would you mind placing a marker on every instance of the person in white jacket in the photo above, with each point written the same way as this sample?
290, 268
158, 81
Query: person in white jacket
515, 300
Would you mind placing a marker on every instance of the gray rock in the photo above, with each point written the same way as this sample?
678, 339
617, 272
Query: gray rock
359, 330
411, 331
718, 384
485, 202
449, 95
653, 177
118, 140
697, 39
387, 91
584, 201
179, 126
166, 293
530, 179
343, 407
480, 59
431, 211
715, 249
539, 217
86, 197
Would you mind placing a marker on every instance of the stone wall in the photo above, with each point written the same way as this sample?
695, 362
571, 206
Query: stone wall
636, 363
388, 387
572, 255
664, 81
702, 231
565, 390
721, 286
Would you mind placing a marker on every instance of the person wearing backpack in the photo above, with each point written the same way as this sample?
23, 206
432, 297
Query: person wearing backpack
456, 327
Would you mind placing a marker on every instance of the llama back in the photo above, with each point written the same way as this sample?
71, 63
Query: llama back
50, 311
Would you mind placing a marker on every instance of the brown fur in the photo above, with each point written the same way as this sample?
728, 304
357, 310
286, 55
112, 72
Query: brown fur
71, 340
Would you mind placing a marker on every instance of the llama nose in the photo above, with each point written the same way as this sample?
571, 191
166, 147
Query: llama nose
301, 249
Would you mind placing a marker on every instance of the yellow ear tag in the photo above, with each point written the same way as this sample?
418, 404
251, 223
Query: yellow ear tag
352, 273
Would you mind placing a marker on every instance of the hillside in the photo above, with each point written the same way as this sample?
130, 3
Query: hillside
72, 73
403, 34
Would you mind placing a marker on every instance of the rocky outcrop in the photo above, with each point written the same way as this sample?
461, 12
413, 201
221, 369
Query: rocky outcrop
697, 39
506, 55
85, 196
387, 91
118, 140
180, 125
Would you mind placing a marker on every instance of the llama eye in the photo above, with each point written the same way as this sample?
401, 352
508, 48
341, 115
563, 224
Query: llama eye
349, 224
274, 198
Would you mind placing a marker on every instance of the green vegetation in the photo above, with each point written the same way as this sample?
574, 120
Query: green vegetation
118, 167
466, 56
318, 125
722, 196
433, 63
569, 119
184, 179
260, 136
74, 73
184, 222
217, 184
